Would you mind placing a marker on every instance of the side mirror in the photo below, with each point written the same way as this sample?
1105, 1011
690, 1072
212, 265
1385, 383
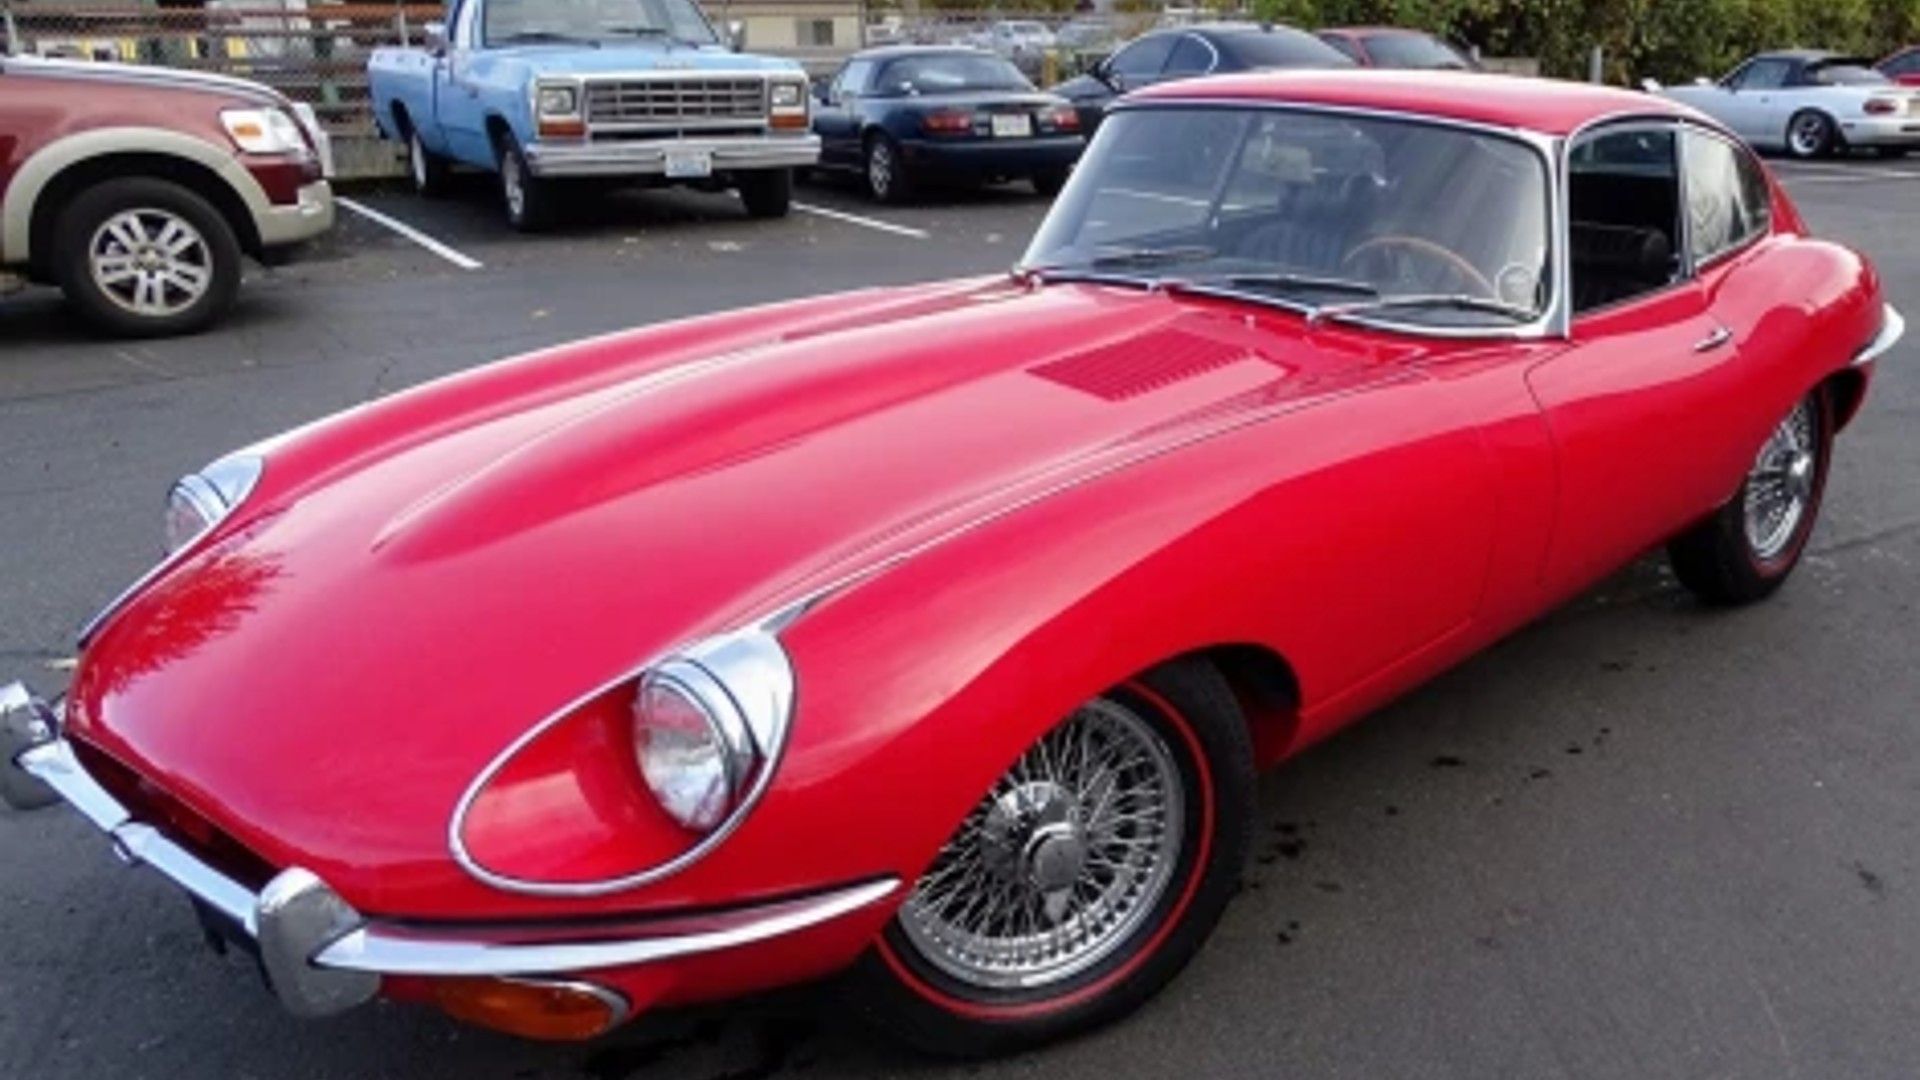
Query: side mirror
822, 93
1103, 71
737, 35
435, 34
1651, 86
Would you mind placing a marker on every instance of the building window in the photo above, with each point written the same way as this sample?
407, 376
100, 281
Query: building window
816, 33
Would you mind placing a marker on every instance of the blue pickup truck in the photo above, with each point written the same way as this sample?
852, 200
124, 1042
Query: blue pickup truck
545, 91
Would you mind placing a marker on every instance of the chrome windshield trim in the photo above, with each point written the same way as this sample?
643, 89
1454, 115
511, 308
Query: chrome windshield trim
1555, 318
389, 948
1892, 328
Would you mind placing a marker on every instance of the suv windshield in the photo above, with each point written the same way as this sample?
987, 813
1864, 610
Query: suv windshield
949, 73
1418, 221
599, 21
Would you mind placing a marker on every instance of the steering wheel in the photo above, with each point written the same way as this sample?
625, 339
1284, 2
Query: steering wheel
1452, 260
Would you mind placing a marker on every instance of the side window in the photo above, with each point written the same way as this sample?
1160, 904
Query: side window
852, 81
1727, 196
1144, 58
1344, 44
1623, 191
1907, 63
1191, 56
460, 29
1762, 75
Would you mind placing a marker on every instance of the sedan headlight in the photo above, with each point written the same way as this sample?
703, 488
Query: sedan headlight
263, 131
559, 100
201, 500
709, 723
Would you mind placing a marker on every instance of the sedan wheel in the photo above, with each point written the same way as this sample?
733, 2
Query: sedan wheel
1083, 880
1747, 549
887, 179
1809, 135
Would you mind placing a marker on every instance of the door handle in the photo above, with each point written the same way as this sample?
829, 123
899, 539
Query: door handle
1720, 336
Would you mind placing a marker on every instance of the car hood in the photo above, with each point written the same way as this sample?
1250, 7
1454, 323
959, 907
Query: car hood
329, 676
641, 57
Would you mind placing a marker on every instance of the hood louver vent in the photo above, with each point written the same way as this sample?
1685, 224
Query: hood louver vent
1142, 365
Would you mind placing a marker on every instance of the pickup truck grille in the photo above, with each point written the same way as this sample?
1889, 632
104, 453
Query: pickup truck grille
677, 102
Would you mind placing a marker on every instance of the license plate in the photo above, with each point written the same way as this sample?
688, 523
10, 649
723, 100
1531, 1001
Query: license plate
689, 164
1012, 127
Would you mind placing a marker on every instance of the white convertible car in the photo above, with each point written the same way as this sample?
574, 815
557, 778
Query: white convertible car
1809, 103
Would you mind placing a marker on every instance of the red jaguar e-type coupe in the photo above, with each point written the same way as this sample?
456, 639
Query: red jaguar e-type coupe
936, 634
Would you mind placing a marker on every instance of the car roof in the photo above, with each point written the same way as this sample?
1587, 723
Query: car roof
890, 52
1546, 106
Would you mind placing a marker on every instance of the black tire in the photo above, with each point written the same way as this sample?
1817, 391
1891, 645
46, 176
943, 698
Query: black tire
766, 193
884, 171
527, 200
1811, 134
1192, 711
1719, 561
1050, 182
155, 202
429, 171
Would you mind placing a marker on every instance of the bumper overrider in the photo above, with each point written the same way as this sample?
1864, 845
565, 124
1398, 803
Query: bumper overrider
321, 957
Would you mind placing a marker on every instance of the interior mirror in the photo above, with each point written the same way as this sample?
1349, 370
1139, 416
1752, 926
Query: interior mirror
435, 34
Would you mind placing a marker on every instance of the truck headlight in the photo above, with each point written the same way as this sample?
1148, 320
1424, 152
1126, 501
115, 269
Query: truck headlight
559, 100
788, 95
263, 131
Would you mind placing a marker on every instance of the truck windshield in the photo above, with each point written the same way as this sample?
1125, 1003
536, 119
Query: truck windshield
510, 22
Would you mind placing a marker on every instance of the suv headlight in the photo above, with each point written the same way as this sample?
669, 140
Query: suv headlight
709, 723
558, 100
263, 131
199, 501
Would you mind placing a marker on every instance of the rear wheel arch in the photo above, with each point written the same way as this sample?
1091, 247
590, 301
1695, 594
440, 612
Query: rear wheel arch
69, 182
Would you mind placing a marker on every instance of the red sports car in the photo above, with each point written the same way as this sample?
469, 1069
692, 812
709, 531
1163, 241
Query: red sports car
935, 635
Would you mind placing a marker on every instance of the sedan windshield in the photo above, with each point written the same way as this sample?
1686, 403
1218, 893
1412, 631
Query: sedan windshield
1401, 50
1407, 220
510, 22
949, 73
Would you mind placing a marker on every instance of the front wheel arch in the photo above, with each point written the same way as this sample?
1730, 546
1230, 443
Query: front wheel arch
68, 183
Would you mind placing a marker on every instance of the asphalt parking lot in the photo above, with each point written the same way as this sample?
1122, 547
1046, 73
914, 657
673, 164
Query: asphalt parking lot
1638, 839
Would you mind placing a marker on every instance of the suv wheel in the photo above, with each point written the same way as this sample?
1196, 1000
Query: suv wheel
143, 257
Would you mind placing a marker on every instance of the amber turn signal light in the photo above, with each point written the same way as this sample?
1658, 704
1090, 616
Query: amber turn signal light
562, 129
785, 120
555, 1011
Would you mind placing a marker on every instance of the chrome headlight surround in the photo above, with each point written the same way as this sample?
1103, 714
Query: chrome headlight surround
556, 100
733, 696
787, 96
199, 501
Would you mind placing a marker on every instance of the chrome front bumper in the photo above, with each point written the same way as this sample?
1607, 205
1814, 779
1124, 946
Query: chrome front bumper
614, 158
320, 955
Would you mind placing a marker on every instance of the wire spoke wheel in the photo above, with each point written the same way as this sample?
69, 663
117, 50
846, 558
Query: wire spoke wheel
1781, 483
1061, 862
150, 262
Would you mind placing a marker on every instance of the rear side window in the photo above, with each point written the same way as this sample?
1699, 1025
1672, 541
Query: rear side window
1143, 58
1728, 201
1191, 56
1762, 75
1341, 42
1907, 63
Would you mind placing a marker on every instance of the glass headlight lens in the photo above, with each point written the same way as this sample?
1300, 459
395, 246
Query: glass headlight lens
199, 501
263, 131
559, 101
788, 95
693, 762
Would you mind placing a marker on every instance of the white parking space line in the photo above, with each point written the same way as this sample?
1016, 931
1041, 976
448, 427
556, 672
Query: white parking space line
464, 262
856, 219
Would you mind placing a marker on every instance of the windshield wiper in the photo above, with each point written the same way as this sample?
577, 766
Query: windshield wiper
1289, 281
1148, 256
549, 36
1454, 301
652, 32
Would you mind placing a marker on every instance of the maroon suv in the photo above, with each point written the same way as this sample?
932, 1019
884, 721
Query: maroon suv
136, 190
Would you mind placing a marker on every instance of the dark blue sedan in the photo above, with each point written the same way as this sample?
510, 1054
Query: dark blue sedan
905, 117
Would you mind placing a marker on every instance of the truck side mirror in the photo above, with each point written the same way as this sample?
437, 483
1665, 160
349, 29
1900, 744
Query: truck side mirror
436, 37
736, 35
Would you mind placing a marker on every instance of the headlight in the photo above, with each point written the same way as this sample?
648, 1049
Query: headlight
263, 131
693, 750
201, 500
559, 100
788, 95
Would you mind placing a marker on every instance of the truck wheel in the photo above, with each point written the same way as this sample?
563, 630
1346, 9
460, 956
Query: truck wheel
528, 200
428, 169
142, 257
767, 193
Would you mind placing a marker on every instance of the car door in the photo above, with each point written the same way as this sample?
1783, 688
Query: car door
456, 88
1637, 401
836, 116
1759, 98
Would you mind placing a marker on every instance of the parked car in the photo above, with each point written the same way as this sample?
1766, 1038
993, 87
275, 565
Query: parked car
138, 190
544, 91
1809, 103
1014, 38
1188, 52
1394, 47
934, 634
1902, 67
906, 116
1090, 34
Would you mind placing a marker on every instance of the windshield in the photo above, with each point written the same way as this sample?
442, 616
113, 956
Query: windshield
1412, 51
1283, 48
949, 73
599, 21
1309, 210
